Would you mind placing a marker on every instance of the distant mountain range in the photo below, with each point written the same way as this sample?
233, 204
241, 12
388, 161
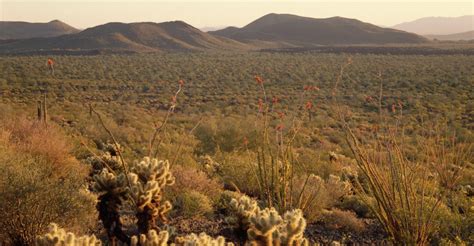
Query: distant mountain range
136, 37
21, 30
453, 37
303, 31
269, 31
438, 25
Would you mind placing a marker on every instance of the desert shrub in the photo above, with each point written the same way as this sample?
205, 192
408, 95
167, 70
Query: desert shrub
356, 204
40, 184
223, 203
313, 194
48, 142
347, 221
188, 178
408, 196
192, 203
238, 170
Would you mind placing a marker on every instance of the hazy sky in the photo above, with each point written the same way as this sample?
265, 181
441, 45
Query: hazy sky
83, 14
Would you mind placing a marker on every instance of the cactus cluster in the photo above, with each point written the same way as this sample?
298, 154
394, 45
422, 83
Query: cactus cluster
57, 236
266, 226
108, 159
107, 182
142, 187
201, 240
112, 190
210, 166
147, 180
243, 209
152, 238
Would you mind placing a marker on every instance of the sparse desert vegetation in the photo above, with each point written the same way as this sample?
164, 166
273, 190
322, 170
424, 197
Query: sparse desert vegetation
250, 148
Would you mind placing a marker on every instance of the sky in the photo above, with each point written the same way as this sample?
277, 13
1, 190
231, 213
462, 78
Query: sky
88, 13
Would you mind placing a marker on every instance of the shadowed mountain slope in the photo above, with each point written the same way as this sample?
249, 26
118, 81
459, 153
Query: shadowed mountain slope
292, 30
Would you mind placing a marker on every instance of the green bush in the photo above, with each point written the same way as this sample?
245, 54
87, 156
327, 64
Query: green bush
192, 203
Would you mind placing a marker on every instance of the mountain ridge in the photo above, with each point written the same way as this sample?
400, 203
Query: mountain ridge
306, 31
137, 37
438, 25
269, 31
23, 29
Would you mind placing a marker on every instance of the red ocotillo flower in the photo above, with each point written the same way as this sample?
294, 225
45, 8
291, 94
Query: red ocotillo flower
309, 105
245, 141
181, 82
279, 127
259, 79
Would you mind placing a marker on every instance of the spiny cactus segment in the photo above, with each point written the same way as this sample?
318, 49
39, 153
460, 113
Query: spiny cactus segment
147, 180
152, 238
267, 227
57, 236
201, 240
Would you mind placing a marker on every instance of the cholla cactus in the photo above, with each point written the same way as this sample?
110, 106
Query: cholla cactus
147, 180
267, 227
210, 166
106, 181
243, 209
109, 158
151, 239
264, 225
112, 189
291, 231
59, 237
202, 240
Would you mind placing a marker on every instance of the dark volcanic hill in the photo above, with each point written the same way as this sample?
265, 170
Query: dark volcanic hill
134, 37
292, 30
21, 30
